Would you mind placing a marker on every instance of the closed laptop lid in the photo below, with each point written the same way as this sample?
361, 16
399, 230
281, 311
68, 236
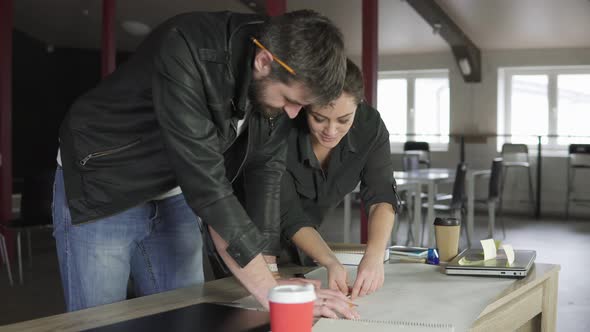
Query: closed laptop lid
472, 259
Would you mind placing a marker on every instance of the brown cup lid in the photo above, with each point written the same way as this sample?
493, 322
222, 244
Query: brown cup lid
447, 222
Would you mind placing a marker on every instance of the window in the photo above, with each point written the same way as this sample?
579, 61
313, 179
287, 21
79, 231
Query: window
573, 113
415, 106
552, 102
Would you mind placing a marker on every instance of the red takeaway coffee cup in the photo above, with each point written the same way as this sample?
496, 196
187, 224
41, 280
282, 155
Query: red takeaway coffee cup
291, 308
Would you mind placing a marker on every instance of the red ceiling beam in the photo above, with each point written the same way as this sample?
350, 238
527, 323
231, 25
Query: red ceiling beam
109, 50
6, 18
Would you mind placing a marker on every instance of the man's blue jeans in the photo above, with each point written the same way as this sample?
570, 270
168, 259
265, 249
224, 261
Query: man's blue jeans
158, 243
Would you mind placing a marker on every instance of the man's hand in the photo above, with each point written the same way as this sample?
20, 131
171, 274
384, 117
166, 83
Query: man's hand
337, 277
333, 304
370, 276
329, 303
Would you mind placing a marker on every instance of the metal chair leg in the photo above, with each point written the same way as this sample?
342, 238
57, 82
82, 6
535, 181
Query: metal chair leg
501, 219
568, 192
30, 249
491, 219
4, 254
502, 182
20, 259
459, 215
421, 238
2, 259
531, 191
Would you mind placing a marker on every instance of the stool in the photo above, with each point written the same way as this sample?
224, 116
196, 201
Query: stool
516, 156
4, 258
35, 212
422, 149
578, 159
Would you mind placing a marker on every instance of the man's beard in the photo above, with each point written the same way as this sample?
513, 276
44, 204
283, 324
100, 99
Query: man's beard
257, 96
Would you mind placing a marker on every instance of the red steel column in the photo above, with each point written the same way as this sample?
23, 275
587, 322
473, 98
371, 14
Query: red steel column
108, 37
370, 49
6, 16
276, 7
370, 58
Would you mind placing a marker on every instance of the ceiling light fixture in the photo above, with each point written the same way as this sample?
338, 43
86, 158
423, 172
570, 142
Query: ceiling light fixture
436, 27
464, 66
136, 28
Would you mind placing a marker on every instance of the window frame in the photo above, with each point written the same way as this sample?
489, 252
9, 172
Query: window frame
505, 74
410, 76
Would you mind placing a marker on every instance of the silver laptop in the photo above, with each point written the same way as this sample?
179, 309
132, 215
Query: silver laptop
523, 260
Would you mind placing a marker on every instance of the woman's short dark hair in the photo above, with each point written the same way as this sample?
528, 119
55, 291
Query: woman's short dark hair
313, 46
353, 84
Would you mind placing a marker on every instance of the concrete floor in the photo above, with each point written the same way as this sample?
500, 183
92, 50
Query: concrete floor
556, 241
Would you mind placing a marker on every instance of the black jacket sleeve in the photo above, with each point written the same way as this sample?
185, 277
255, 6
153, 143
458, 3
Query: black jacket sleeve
262, 178
193, 148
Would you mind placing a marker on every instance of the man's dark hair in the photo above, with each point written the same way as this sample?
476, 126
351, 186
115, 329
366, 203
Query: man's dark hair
313, 46
353, 84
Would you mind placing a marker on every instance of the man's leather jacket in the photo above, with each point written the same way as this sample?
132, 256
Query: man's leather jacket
168, 117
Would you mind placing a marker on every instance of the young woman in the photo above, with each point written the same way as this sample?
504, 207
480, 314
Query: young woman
330, 151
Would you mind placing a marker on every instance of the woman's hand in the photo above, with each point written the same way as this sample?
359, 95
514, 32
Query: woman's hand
333, 304
370, 276
337, 277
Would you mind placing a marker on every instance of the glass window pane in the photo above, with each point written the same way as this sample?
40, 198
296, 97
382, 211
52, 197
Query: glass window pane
529, 108
573, 108
432, 109
392, 104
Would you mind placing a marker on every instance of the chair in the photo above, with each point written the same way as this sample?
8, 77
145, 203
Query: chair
493, 197
578, 159
404, 208
4, 258
35, 212
422, 149
410, 161
516, 156
454, 205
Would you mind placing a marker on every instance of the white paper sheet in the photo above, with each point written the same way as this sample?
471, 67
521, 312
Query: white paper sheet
423, 293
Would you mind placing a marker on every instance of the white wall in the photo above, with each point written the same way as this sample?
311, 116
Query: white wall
474, 112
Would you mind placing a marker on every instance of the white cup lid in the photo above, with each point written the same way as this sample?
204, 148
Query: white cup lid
292, 294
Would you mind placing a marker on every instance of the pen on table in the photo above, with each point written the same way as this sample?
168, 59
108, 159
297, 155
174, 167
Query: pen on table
349, 296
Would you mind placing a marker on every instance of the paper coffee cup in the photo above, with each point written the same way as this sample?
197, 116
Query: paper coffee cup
447, 232
291, 308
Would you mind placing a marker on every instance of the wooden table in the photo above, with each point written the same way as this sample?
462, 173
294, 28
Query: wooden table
530, 304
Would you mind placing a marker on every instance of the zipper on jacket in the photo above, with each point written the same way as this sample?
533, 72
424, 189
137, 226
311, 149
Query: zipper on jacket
234, 127
271, 124
246, 155
84, 160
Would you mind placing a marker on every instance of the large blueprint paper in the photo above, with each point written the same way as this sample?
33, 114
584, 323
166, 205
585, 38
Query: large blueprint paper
423, 293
